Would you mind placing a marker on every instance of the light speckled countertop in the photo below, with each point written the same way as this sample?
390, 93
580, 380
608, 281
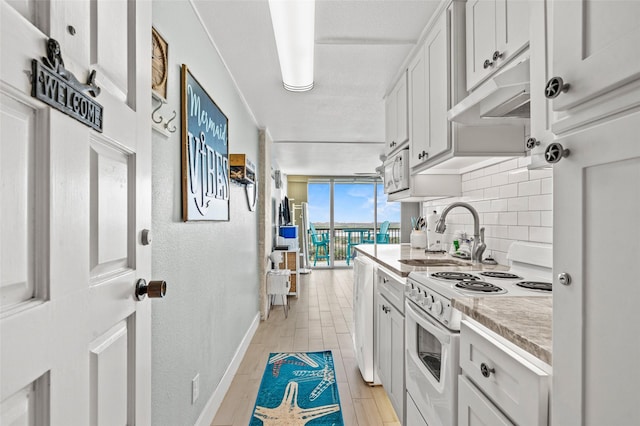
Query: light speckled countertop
524, 321
389, 255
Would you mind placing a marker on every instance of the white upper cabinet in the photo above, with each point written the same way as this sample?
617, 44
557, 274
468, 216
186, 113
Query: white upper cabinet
436, 82
396, 117
429, 83
595, 52
496, 31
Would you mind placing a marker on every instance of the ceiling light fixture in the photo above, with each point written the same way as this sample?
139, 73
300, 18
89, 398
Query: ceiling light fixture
294, 29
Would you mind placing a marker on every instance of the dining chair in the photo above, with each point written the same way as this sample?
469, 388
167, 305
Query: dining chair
319, 241
382, 237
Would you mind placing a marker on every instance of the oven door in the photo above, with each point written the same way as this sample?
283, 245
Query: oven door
432, 366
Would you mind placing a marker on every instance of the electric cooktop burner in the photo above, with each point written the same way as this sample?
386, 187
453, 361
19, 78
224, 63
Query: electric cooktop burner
455, 276
535, 285
480, 286
496, 274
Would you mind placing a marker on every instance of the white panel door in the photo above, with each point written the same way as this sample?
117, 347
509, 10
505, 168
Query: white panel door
595, 47
74, 341
596, 239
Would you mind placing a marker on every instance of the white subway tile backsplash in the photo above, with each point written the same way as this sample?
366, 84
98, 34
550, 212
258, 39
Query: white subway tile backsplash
518, 175
483, 206
518, 233
540, 173
508, 191
514, 203
529, 218
510, 218
531, 187
524, 161
475, 195
518, 204
492, 170
500, 205
509, 165
541, 202
500, 179
490, 219
491, 193
476, 174
484, 182
469, 185
541, 234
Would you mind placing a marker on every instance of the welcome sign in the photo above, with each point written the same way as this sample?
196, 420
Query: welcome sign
205, 154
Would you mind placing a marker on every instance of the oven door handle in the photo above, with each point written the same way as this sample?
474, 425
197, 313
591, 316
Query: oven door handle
428, 324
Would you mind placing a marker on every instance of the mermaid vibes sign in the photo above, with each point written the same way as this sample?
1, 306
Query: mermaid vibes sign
205, 154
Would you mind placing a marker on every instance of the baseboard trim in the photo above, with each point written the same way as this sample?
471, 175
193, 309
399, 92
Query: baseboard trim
210, 410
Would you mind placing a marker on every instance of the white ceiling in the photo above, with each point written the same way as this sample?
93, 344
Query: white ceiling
338, 127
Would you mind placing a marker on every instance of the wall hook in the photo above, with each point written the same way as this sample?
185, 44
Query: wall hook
160, 118
166, 125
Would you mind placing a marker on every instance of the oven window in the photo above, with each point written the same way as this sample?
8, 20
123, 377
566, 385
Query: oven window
430, 352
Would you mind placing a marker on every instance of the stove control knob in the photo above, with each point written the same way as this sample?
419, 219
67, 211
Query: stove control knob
437, 307
413, 293
428, 301
419, 297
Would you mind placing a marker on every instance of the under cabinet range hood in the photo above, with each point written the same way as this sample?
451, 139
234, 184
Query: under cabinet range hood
502, 98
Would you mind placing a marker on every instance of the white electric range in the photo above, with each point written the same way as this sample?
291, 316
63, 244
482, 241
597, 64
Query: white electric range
433, 327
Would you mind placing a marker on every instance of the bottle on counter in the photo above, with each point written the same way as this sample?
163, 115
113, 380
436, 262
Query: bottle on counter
432, 236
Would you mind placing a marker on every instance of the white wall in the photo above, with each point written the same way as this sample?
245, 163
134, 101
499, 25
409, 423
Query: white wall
211, 267
513, 203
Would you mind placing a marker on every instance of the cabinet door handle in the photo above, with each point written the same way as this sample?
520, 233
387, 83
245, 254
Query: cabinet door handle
486, 371
487, 64
497, 55
555, 152
423, 154
532, 143
555, 86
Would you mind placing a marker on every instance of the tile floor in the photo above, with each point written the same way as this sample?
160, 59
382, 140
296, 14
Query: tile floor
320, 318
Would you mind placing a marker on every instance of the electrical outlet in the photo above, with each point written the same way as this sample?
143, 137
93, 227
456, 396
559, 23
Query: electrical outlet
195, 388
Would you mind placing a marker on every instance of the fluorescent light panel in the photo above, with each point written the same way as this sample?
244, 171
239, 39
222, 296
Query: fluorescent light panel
294, 30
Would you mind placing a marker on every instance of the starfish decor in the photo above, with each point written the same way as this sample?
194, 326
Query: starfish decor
289, 413
327, 377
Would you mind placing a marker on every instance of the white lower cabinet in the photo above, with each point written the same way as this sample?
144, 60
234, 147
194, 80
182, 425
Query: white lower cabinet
390, 338
476, 409
498, 386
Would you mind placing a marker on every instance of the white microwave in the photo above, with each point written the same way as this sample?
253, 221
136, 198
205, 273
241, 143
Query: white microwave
396, 172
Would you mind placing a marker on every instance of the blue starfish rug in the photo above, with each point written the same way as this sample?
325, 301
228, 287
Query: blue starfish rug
298, 388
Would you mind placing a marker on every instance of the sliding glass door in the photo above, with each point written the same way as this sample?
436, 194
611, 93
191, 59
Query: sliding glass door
344, 213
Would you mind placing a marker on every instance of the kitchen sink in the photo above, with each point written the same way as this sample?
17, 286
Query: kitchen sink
433, 262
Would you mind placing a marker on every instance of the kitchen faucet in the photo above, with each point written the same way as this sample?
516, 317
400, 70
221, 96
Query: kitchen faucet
478, 233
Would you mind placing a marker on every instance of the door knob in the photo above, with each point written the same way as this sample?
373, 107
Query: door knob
155, 289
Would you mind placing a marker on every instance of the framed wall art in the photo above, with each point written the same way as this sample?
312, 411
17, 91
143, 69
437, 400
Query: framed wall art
205, 154
159, 63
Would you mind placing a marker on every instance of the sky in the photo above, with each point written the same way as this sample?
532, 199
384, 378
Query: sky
353, 203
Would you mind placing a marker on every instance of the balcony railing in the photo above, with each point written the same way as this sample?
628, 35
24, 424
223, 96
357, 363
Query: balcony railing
341, 241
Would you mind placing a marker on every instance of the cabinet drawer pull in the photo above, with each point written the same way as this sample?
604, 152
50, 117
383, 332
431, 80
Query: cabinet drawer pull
486, 371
